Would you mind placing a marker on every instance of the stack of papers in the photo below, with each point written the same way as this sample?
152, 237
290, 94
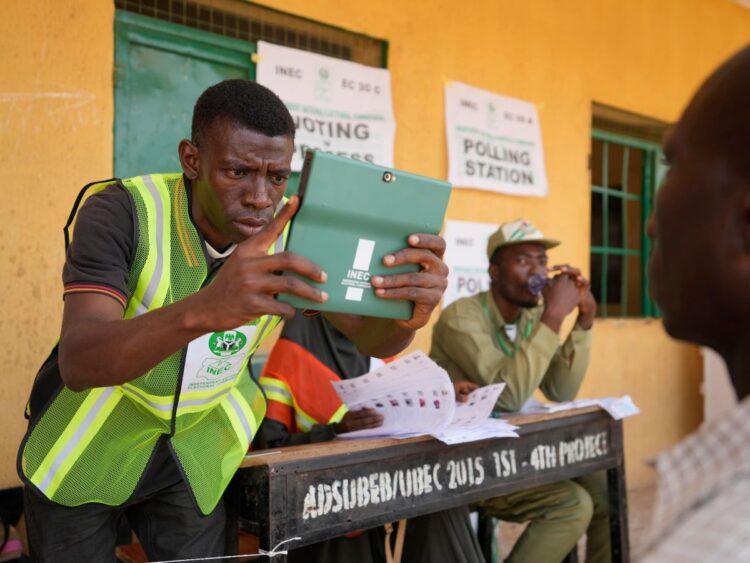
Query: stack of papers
416, 397
617, 408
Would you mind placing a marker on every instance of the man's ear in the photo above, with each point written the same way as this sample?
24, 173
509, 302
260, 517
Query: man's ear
493, 271
189, 158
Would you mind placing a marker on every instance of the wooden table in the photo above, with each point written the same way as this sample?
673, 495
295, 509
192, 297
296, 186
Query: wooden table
322, 491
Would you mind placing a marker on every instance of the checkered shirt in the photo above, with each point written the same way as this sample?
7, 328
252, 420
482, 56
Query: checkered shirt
702, 506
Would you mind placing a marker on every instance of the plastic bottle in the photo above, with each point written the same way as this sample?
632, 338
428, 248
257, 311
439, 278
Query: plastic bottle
537, 282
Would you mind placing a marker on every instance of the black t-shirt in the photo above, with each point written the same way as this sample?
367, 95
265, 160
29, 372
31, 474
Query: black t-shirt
103, 244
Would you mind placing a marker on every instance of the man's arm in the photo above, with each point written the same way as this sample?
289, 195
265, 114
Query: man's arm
569, 365
274, 434
567, 368
99, 348
383, 338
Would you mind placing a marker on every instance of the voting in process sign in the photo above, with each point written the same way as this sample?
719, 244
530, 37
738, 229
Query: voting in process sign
338, 107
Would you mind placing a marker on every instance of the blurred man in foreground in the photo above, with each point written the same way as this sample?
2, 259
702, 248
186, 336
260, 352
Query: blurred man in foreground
700, 272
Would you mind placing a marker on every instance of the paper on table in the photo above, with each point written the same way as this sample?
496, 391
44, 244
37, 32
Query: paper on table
617, 407
478, 406
413, 394
416, 397
490, 428
472, 419
387, 378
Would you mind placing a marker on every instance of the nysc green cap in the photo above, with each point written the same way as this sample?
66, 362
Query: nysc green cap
517, 232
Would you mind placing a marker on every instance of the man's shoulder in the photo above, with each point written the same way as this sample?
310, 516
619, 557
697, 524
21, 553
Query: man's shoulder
466, 307
117, 197
106, 203
112, 205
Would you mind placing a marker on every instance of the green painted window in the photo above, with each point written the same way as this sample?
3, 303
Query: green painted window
160, 70
168, 51
625, 172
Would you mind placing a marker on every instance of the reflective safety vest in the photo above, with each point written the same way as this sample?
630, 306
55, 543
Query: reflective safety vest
95, 445
297, 377
298, 388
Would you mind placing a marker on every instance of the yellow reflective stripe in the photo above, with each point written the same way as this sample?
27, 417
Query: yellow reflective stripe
153, 281
197, 405
265, 325
208, 393
157, 405
277, 390
165, 244
278, 397
275, 382
339, 414
304, 420
150, 263
79, 432
241, 416
182, 232
160, 400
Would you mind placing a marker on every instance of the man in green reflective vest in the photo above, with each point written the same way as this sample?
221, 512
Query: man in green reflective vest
508, 335
145, 408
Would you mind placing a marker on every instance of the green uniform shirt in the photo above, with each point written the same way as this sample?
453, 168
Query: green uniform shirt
470, 343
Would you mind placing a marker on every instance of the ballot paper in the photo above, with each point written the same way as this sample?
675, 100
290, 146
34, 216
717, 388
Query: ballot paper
416, 397
617, 407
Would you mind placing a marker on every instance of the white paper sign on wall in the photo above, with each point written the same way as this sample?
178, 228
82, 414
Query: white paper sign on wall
466, 256
338, 106
494, 142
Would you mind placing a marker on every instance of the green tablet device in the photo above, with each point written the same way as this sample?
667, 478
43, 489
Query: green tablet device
351, 215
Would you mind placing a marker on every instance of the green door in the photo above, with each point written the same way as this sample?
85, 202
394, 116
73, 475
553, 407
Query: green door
160, 70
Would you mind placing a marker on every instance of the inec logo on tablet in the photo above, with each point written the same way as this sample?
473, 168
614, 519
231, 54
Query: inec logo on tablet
358, 276
226, 343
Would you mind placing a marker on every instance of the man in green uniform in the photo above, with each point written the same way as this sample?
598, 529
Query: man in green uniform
145, 408
506, 335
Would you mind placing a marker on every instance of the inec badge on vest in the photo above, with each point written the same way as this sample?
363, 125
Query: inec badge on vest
216, 358
351, 215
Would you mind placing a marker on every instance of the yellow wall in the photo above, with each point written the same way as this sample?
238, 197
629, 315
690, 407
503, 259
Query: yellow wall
642, 56
55, 135
645, 56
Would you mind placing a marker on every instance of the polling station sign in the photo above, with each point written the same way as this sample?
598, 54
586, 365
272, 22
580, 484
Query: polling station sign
338, 106
466, 257
494, 142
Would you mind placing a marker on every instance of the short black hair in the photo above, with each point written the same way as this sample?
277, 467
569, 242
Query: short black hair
244, 102
496, 256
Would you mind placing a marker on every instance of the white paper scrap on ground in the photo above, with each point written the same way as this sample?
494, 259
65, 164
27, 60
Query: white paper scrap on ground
416, 397
617, 407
